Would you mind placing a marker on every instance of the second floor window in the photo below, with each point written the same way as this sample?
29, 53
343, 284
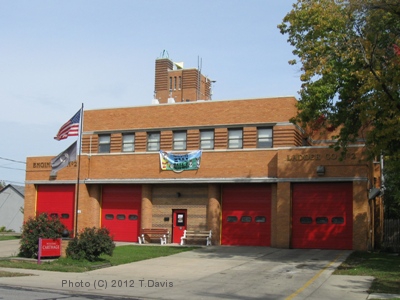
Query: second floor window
128, 142
206, 139
104, 143
264, 138
179, 140
235, 138
153, 141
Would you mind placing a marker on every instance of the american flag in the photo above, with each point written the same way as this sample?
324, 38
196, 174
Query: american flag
70, 128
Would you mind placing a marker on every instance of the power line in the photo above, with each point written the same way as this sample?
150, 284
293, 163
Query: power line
12, 168
17, 161
12, 182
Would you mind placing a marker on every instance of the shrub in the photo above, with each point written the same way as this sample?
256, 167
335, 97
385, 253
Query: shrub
39, 227
90, 243
4, 229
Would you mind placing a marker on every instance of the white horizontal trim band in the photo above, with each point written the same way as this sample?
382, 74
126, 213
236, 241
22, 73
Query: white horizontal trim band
198, 180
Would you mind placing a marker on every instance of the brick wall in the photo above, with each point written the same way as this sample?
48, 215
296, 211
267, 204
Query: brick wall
193, 198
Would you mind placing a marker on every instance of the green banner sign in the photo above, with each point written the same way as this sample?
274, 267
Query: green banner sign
180, 162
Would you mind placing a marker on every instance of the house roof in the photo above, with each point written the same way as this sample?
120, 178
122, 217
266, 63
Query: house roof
17, 188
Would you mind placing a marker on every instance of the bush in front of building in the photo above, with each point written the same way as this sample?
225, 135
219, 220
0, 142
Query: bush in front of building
90, 243
41, 226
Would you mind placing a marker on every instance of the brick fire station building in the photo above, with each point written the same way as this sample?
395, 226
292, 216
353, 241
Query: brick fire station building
236, 167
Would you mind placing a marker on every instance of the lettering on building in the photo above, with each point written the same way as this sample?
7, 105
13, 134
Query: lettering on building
318, 157
47, 165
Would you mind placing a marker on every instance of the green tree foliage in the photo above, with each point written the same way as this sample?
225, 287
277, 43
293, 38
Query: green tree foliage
40, 226
392, 192
349, 52
90, 244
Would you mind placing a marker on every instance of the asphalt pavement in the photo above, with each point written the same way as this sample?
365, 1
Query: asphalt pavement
214, 272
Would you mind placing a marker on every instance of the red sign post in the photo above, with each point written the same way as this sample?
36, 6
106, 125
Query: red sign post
49, 248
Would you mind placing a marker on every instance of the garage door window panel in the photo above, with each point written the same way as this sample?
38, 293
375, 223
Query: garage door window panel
109, 217
260, 219
337, 220
133, 217
120, 217
231, 219
321, 220
246, 219
306, 220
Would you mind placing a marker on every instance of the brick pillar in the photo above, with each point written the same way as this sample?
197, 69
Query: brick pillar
361, 217
30, 201
214, 212
147, 207
281, 216
64, 245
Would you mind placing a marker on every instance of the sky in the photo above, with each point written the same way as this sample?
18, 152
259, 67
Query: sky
57, 55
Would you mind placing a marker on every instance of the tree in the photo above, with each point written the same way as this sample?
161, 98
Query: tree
349, 53
392, 192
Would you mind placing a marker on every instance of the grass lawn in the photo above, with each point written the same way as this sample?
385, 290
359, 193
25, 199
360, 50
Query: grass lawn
11, 274
121, 255
9, 237
385, 267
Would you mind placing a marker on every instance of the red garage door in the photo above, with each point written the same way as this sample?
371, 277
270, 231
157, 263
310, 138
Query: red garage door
58, 201
246, 215
322, 216
121, 210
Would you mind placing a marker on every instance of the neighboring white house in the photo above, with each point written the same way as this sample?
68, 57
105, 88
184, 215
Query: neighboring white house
11, 207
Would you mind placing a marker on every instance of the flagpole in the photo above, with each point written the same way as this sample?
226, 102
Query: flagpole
78, 173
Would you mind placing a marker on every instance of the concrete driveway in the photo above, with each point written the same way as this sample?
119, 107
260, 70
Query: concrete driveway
215, 272
9, 248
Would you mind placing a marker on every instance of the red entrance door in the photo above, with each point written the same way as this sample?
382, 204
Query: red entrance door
179, 224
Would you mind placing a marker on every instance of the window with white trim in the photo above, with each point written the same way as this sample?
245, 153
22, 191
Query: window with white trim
179, 142
128, 142
264, 137
104, 143
235, 138
207, 139
153, 141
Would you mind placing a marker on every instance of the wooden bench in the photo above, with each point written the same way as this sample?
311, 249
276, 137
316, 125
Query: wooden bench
146, 234
197, 235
